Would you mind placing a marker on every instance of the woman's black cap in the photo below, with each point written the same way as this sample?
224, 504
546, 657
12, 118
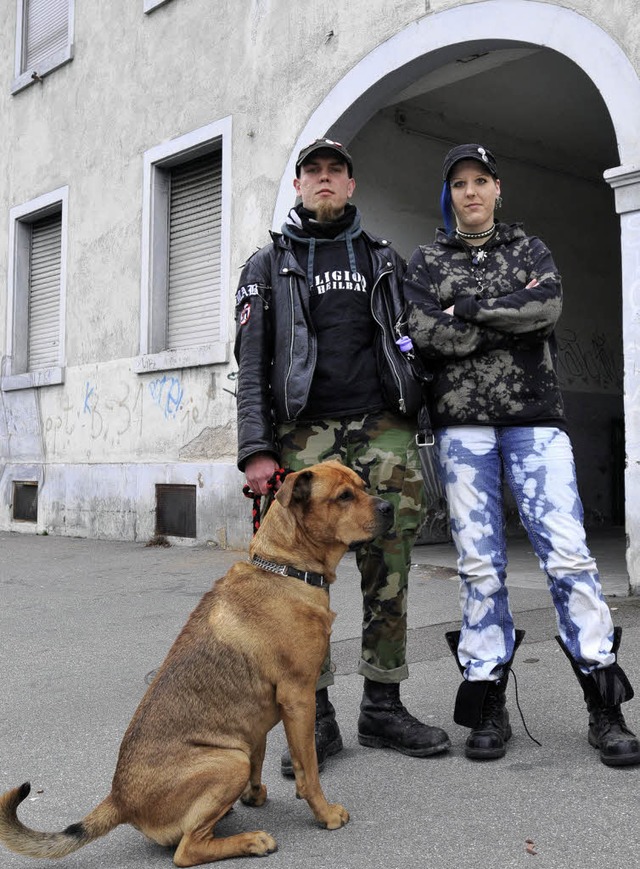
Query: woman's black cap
469, 152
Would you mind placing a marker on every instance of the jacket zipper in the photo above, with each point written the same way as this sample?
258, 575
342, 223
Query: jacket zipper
290, 367
401, 401
292, 277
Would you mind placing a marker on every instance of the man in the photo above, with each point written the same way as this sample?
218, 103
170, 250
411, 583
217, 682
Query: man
320, 377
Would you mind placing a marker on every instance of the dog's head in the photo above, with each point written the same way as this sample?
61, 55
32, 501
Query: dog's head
331, 506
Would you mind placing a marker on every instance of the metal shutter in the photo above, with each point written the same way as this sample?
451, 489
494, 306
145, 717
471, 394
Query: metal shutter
46, 30
44, 293
193, 305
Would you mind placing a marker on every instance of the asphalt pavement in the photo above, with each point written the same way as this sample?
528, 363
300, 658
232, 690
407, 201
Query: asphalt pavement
84, 623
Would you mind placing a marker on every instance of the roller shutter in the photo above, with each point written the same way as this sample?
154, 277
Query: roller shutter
44, 293
193, 310
46, 31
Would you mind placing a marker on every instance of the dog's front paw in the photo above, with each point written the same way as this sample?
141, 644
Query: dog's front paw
337, 816
260, 843
254, 795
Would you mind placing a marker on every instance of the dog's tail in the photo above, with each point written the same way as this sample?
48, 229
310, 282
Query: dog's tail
32, 843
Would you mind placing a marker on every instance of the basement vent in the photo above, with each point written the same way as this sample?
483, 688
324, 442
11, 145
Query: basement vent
25, 501
176, 510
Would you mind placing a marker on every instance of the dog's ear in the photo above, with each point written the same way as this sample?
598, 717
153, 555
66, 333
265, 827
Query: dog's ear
296, 488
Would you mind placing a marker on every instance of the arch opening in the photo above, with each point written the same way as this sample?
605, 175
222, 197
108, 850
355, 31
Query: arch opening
554, 97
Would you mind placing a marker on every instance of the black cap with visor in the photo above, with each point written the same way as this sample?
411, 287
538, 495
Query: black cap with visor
324, 145
469, 152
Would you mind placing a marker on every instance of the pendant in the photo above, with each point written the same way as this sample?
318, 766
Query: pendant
479, 257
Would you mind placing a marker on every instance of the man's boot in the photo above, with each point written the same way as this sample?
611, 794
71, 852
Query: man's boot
328, 739
482, 707
385, 723
604, 690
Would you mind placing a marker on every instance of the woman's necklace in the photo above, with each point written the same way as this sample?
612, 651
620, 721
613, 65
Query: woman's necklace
477, 254
478, 257
484, 234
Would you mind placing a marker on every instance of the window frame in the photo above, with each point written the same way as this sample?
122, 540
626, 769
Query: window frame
153, 286
25, 78
20, 219
150, 5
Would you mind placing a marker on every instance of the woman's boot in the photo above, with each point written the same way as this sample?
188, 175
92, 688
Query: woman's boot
482, 707
604, 690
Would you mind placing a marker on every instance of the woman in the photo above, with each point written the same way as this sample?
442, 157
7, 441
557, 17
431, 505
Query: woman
483, 301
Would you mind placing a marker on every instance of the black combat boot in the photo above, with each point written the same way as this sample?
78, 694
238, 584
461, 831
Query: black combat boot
482, 707
328, 739
604, 690
385, 723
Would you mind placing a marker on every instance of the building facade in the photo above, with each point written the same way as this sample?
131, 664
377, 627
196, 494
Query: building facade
150, 146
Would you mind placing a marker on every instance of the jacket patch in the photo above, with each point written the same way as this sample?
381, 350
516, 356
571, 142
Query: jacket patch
249, 290
245, 313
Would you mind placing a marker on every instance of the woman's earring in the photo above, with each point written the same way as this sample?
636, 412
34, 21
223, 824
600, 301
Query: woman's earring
498, 202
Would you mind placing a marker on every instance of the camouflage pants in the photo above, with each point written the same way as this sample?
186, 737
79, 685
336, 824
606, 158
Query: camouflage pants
381, 448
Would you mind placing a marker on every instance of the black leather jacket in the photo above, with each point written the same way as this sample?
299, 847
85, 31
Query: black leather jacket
275, 345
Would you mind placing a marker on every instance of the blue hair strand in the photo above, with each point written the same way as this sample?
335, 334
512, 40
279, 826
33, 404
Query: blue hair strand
445, 206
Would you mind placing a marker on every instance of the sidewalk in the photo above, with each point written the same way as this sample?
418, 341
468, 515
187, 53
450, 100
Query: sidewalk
84, 623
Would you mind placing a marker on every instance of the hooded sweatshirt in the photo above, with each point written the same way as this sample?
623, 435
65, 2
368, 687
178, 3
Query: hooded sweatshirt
494, 360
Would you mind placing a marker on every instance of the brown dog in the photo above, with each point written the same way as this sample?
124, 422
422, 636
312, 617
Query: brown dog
249, 656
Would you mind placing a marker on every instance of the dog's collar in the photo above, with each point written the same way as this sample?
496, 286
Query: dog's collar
307, 576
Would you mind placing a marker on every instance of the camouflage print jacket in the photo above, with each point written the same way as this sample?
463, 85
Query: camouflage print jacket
494, 361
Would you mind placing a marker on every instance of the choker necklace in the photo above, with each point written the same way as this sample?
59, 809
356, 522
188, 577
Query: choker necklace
485, 234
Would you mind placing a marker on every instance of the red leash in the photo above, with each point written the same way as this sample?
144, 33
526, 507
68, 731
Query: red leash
272, 483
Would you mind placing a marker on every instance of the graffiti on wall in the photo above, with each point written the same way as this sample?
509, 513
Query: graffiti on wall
589, 361
167, 393
112, 411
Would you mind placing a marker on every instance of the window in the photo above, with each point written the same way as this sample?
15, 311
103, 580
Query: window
44, 34
37, 285
185, 247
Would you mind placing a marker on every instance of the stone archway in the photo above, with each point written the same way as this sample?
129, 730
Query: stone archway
428, 45
436, 39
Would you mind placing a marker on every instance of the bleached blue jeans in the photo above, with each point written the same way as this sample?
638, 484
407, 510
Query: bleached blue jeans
537, 464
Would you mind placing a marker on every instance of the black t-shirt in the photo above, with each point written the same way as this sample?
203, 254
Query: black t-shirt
346, 379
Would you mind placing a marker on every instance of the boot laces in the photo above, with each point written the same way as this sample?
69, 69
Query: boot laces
400, 711
524, 723
493, 709
405, 719
611, 718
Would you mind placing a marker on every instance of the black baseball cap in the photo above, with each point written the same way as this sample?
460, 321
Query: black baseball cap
324, 145
469, 152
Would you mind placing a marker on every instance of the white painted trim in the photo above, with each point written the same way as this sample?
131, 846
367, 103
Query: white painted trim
187, 357
17, 62
625, 182
186, 146
150, 5
25, 79
31, 379
522, 21
27, 213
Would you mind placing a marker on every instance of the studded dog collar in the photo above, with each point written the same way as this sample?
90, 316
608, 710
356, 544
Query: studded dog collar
307, 576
